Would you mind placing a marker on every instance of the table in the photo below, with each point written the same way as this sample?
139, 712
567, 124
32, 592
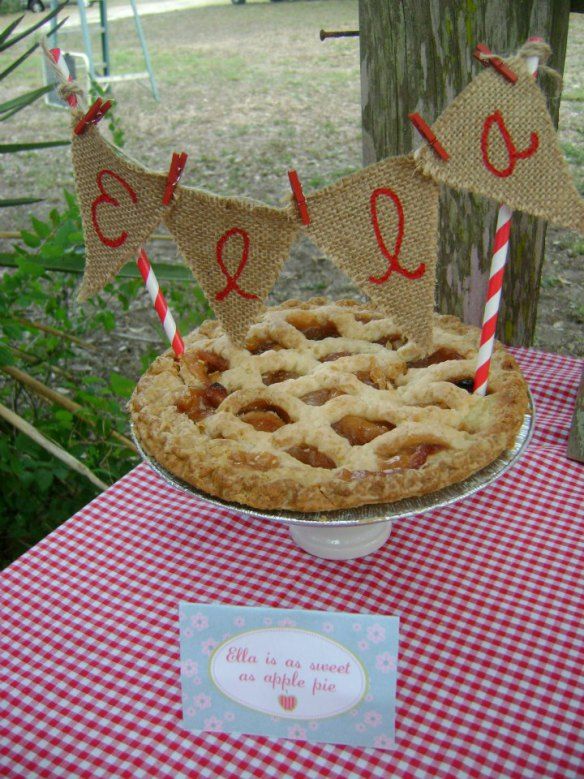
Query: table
488, 592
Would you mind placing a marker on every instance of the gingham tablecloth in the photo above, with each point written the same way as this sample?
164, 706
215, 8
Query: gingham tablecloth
488, 592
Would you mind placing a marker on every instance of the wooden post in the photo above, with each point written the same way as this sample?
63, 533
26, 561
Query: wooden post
416, 55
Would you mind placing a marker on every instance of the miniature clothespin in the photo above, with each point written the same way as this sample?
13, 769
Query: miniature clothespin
485, 56
177, 167
95, 114
428, 135
299, 196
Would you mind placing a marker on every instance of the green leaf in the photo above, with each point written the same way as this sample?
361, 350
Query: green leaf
12, 330
43, 479
121, 385
18, 62
31, 268
6, 356
70, 199
10, 107
50, 251
75, 263
7, 43
19, 201
7, 30
64, 418
30, 239
42, 229
108, 320
13, 148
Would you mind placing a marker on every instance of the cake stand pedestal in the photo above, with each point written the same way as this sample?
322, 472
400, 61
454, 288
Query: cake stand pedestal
341, 543
348, 534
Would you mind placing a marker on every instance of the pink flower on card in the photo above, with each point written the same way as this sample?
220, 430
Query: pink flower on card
191, 712
376, 633
357, 627
267, 620
385, 662
287, 623
199, 621
213, 723
188, 632
328, 627
190, 667
313, 724
372, 718
239, 622
383, 742
363, 645
202, 701
296, 732
208, 646
229, 716
196, 680
360, 727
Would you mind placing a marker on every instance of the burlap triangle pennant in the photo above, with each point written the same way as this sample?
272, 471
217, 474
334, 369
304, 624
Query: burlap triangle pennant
121, 204
235, 249
502, 144
379, 226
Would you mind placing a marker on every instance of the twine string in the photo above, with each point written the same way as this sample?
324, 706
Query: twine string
538, 49
63, 87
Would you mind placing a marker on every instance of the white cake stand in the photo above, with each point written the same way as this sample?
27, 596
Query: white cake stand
356, 532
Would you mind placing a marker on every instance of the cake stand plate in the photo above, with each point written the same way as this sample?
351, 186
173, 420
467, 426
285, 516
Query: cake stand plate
347, 534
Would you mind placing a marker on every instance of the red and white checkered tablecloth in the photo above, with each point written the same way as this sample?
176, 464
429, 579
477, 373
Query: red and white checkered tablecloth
488, 592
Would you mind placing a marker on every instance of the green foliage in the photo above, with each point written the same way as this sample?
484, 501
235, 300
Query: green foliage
39, 320
8, 38
112, 119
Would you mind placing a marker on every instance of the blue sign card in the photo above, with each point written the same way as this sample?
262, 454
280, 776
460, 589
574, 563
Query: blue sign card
286, 673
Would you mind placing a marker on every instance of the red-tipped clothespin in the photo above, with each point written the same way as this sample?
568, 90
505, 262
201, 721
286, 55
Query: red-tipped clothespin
485, 56
428, 135
299, 196
95, 114
177, 167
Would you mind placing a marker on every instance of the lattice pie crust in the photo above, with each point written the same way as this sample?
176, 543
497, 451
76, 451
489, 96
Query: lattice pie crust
326, 408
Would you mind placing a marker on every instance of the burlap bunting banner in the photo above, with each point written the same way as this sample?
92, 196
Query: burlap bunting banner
120, 202
502, 144
235, 249
379, 226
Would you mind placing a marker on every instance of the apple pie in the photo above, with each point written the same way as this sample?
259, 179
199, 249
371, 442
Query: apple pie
326, 407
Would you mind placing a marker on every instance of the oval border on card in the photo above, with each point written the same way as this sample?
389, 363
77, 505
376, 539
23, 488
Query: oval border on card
284, 715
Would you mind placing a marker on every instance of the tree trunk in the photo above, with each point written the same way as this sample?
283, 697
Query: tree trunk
416, 55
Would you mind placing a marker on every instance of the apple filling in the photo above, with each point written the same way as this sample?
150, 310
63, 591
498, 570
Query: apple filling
358, 430
261, 346
334, 356
321, 396
200, 403
275, 377
312, 328
310, 455
410, 457
264, 416
440, 355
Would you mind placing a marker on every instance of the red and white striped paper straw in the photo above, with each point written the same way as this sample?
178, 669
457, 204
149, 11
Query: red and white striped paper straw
498, 262
160, 304
61, 65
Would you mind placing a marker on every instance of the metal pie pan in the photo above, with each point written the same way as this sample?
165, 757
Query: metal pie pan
371, 513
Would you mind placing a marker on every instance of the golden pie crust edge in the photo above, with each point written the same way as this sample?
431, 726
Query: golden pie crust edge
237, 472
